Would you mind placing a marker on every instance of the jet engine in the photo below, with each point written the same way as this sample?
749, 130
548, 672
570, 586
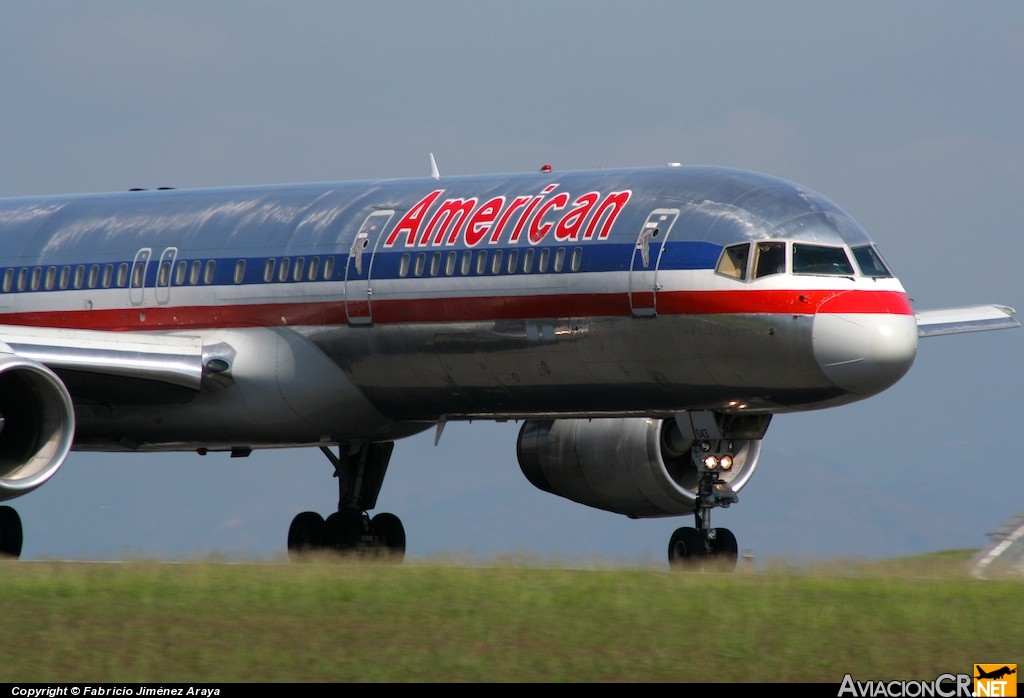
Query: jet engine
640, 467
37, 425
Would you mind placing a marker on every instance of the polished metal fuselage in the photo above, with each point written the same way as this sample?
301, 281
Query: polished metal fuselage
423, 307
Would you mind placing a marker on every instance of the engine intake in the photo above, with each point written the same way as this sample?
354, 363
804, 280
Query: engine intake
640, 467
37, 425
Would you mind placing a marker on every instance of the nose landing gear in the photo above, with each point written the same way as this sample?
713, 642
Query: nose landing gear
701, 546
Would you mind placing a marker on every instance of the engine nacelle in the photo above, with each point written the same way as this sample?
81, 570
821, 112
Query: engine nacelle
640, 467
37, 425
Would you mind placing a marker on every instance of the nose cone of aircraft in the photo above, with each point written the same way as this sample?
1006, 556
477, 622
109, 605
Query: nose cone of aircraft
864, 353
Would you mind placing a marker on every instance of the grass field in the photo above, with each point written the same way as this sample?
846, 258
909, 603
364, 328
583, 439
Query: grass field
350, 621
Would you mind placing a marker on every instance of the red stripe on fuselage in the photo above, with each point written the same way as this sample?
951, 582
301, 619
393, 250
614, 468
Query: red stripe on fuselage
467, 309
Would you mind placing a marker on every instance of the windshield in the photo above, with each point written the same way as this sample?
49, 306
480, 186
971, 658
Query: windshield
870, 262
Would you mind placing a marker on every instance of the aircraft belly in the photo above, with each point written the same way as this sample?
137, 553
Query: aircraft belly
597, 366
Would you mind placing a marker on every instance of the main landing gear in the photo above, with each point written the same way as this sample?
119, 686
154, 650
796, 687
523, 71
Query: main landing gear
703, 547
350, 530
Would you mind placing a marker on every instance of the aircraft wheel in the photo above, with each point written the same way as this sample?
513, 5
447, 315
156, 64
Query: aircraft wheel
725, 550
388, 529
11, 535
305, 533
686, 548
342, 533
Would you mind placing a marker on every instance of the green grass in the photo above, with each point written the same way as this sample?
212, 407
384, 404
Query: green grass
348, 621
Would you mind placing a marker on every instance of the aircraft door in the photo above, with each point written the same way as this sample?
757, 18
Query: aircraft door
358, 273
643, 268
163, 275
137, 280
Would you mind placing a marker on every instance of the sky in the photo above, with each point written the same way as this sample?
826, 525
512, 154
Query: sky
908, 115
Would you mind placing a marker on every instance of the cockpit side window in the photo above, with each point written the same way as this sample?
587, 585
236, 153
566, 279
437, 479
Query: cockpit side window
769, 258
870, 262
819, 259
733, 262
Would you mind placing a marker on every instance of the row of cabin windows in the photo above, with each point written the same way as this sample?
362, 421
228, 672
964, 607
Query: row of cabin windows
191, 273
103, 276
480, 262
196, 272
288, 268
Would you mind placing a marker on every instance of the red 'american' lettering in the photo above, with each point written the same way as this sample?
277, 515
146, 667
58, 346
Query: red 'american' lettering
501, 219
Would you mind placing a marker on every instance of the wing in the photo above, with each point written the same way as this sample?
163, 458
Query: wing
97, 366
973, 318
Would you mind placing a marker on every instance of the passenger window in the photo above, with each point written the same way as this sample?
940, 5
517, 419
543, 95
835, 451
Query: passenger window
94, 275
79, 276
496, 262
449, 265
403, 265
51, 278
122, 274
528, 261
513, 261
314, 268
421, 260
435, 263
577, 256
733, 262
138, 272
481, 262
193, 274
298, 268
65, 277
819, 259
542, 260
467, 263
180, 270
559, 259
8, 280
22, 278
208, 273
769, 258
163, 280
282, 271
239, 271
108, 274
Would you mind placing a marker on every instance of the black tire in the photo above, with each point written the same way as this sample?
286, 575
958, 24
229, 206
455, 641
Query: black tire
305, 533
725, 550
11, 534
686, 548
342, 532
389, 531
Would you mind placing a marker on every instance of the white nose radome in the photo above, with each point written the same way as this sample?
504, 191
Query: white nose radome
864, 353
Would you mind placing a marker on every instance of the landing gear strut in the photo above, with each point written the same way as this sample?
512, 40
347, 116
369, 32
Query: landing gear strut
703, 546
360, 471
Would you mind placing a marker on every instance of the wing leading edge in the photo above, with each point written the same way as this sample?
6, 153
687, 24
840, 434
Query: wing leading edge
973, 318
160, 357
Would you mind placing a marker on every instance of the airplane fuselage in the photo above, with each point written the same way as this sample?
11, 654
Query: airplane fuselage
333, 311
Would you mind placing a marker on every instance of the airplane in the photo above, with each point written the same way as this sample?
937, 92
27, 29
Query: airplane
995, 674
643, 325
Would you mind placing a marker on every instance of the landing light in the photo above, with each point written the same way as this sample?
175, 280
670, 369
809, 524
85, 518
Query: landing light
713, 462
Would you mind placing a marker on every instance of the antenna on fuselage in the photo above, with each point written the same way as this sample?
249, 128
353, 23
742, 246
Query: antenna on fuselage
433, 168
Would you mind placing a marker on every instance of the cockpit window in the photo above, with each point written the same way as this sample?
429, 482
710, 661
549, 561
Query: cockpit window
870, 262
734, 261
819, 259
769, 258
